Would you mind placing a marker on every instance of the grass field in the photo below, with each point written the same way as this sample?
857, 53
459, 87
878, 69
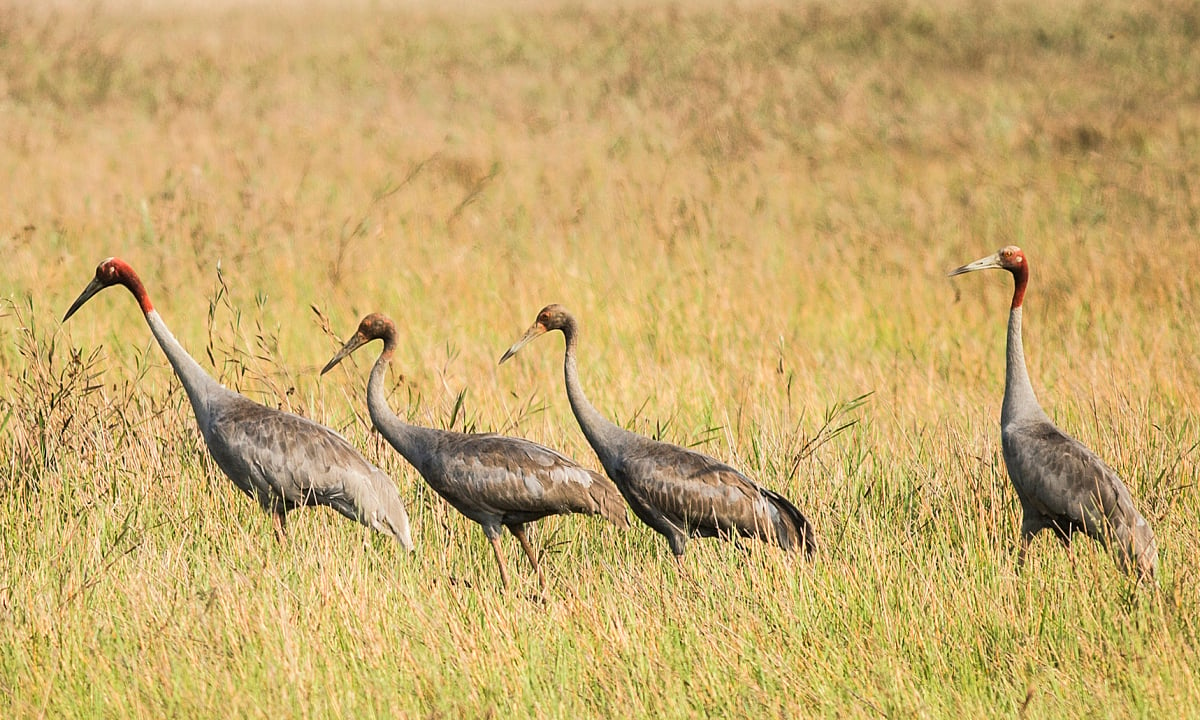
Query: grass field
750, 207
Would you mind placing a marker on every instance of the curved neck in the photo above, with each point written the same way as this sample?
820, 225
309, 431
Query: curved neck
407, 439
1020, 280
198, 384
601, 434
134, 283
1019, 401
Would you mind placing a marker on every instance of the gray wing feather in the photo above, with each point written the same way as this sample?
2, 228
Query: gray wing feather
1070, 488
281, 458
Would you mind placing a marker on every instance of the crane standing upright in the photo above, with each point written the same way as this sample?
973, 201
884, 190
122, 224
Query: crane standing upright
679, 493
496, 481
281, 460
1062, 485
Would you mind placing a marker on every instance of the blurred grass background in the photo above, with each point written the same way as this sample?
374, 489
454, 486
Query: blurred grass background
749, 206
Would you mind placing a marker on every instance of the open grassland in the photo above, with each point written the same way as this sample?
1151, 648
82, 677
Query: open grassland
751, 209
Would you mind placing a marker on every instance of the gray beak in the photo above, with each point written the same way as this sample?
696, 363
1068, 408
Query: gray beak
991, 261
351, 345
534, 330
93, 287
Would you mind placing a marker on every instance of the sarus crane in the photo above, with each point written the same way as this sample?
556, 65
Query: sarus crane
281, 460
495, 480
1062, 485
679, 493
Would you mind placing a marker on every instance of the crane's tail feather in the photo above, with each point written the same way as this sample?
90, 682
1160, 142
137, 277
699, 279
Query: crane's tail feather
382, 510
1135, 547
609, 502
793, 530
396, 524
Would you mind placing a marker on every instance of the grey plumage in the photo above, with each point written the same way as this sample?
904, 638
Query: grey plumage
285, 461
495, 480
679, 493
281, 460
1062, 485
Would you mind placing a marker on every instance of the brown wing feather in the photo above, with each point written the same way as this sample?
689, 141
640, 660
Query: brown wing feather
706, 497
498, 479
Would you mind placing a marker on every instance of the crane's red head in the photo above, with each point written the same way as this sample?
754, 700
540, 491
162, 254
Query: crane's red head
113, 271
551, 317
375, 326
1010, 258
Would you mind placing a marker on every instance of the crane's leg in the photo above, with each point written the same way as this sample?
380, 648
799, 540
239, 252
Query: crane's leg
495, 541
684, 574
677, 539
1030, 526
1022, 548
519, 531
1066, 541
279, 516
1063, 533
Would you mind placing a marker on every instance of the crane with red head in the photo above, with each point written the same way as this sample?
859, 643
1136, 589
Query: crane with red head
1061, 484
281, 460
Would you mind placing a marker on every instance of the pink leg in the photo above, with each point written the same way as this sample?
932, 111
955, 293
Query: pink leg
519, 531
499, 560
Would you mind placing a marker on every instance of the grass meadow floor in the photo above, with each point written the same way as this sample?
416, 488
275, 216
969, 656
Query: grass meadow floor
750, 207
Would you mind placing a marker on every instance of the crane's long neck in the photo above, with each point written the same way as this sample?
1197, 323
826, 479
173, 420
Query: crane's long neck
199, 385
1019, 401
413, 442
602, 435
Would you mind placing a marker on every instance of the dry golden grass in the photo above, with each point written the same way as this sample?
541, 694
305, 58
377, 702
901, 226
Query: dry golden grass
750, 208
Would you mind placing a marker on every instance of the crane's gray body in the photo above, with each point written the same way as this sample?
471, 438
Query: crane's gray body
492, 479
282, 460
682, 494
285, 461
1062, 485
679, 493
497, 480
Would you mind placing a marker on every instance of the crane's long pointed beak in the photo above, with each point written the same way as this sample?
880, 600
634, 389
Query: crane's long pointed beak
534, 330
351, 345
991, 261
93, 287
